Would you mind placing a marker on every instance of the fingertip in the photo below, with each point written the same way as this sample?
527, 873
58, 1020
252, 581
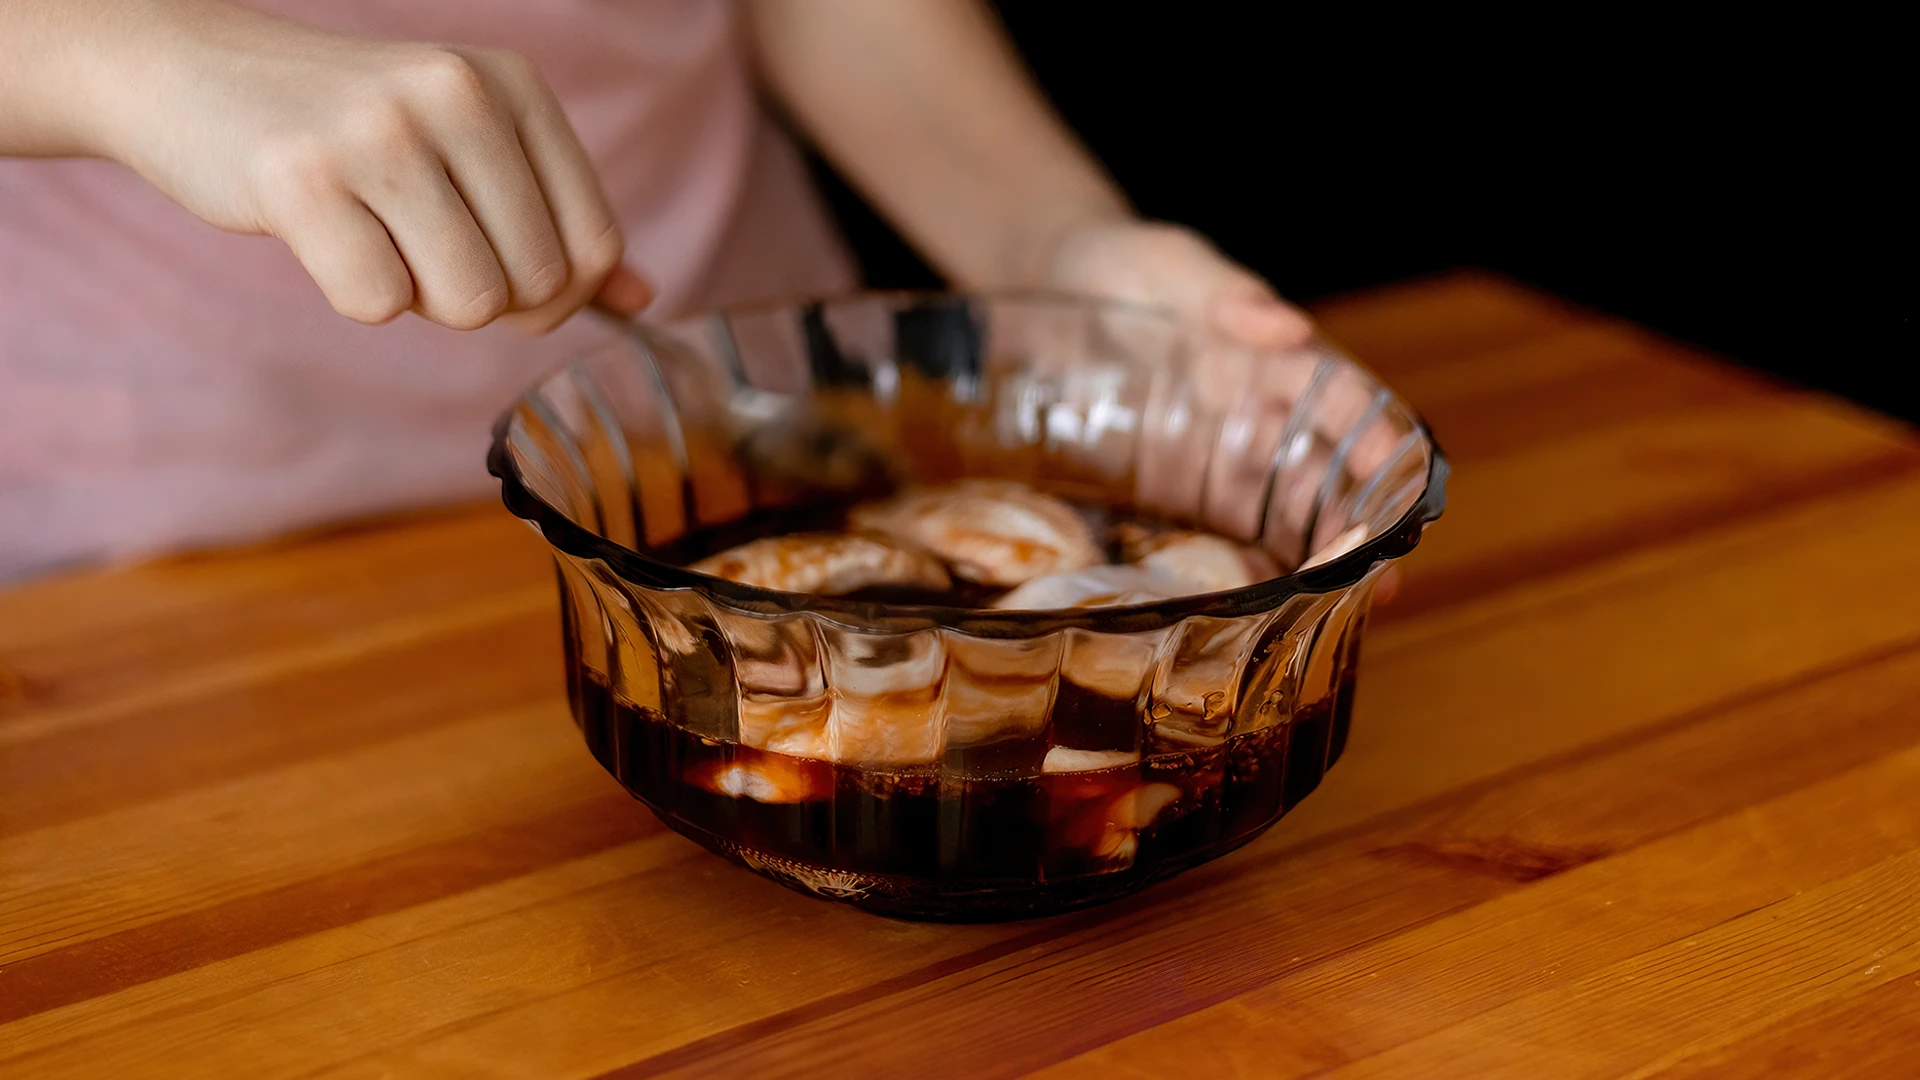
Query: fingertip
625, 291
1263, 321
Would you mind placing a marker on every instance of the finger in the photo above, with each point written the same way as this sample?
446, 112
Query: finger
1260, 319
457, 278
625, 291
349, 255
589, 233
489, 169
1342, 395
624, 295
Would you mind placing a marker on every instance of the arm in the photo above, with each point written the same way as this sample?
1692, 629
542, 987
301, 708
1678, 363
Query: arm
928, 111
438, 179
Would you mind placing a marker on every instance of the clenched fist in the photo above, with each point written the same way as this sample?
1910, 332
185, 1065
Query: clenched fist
434, 178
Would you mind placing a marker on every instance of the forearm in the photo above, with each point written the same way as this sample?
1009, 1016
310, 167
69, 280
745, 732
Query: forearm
108, 78
48, 50
65, 67
929, 112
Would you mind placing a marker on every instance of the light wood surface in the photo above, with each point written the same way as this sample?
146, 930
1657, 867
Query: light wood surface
1633, 789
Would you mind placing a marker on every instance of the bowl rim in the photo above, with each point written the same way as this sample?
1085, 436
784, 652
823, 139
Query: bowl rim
638, 568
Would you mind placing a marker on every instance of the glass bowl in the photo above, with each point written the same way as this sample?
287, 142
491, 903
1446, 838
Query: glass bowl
947, 762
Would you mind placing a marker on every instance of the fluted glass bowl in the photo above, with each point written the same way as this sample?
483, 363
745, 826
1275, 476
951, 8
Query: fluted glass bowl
948, 762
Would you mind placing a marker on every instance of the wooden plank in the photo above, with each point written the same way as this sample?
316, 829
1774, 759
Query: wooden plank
361, 695
1866, 1035
1630, 899
669, 925
1487, 686
1826, 943
74, 641
242, 669
1576, 437
553, 988
1594, 494
420, 874
1588, 377
169, 593
95, 1016
1431, 321
148, 862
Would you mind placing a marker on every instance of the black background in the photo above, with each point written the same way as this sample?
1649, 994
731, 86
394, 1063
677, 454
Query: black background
1734, 186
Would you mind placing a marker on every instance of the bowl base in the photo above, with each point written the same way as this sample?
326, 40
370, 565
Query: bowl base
917, 899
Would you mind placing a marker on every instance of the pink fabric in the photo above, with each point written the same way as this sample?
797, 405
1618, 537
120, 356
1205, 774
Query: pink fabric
164, 385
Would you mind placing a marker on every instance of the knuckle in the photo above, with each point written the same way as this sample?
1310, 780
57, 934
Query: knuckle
382, 126
448, 79
477, 310
543, 282
514, 67
598, 257
296, 169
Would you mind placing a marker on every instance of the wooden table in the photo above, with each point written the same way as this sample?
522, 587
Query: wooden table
1634, 787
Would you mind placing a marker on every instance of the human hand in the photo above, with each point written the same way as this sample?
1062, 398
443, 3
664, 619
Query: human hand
1174, 267
439, 179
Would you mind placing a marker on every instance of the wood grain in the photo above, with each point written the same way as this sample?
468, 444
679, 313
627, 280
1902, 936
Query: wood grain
1743, 829
1629, 793
1867, 1034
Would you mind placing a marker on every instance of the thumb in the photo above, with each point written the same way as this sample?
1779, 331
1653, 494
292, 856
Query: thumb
624, 292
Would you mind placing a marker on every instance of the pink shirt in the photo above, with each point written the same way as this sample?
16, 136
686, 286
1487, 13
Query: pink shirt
164, 385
